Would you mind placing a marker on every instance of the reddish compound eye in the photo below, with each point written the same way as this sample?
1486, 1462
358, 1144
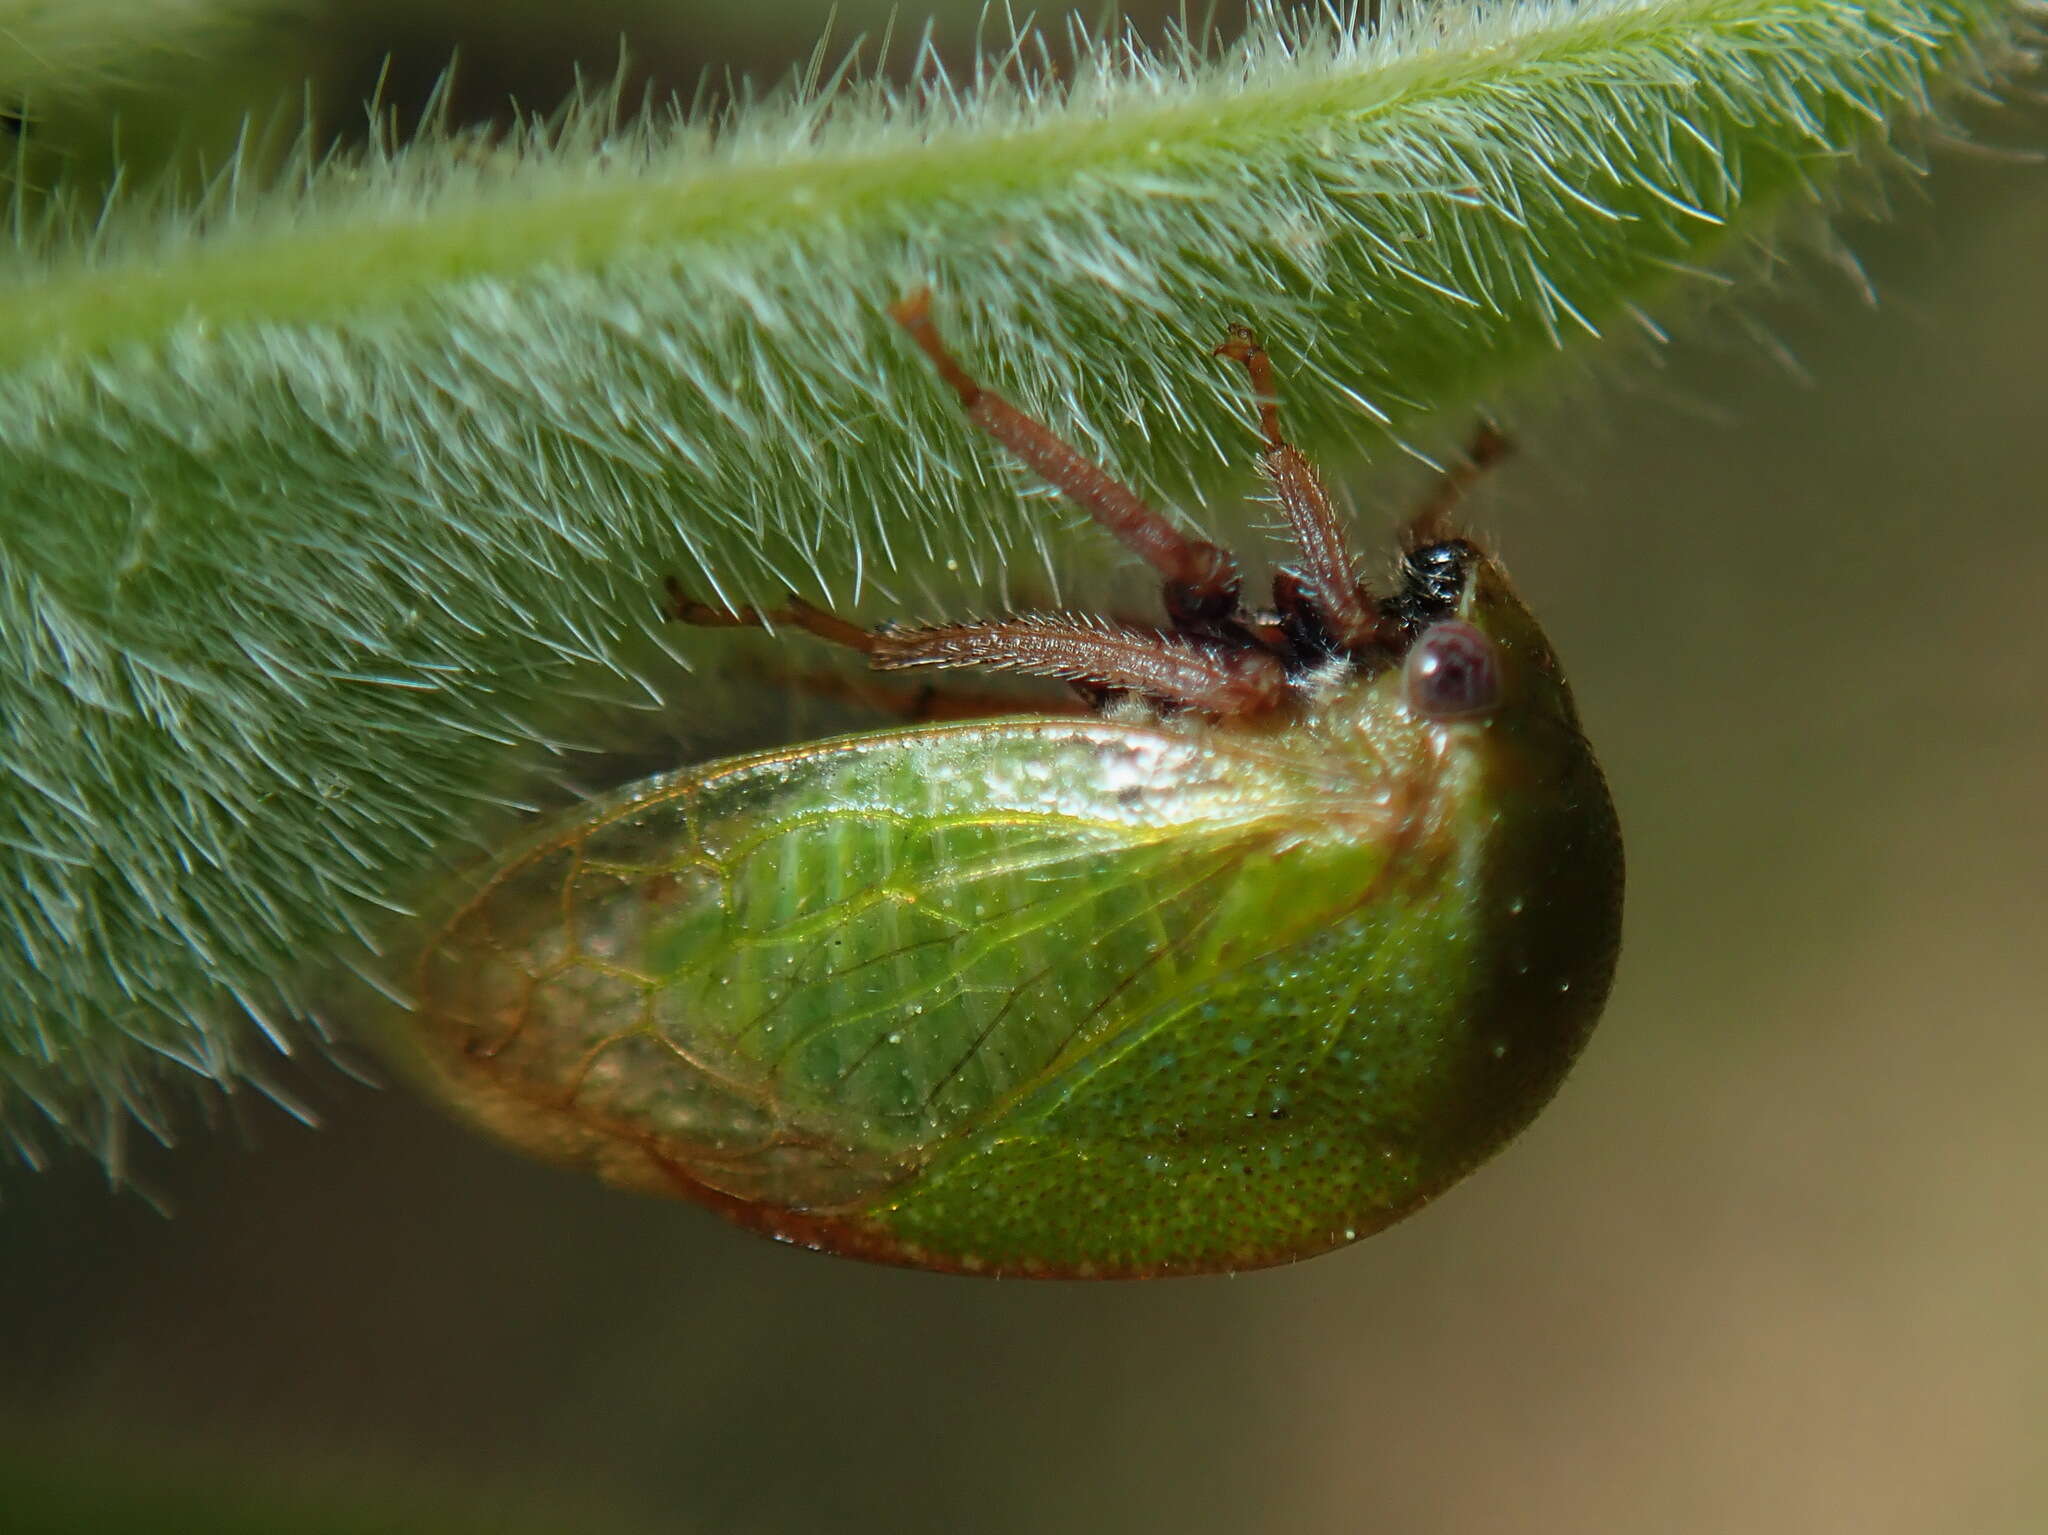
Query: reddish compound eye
1453, 673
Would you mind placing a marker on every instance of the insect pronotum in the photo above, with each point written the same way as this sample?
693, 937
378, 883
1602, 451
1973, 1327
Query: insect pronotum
1282, 925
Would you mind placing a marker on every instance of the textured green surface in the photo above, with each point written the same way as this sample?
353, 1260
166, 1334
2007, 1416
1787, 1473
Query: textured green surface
1054, 996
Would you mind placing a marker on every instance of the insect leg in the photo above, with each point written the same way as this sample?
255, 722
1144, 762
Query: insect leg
1200, 579
927, 702
1327, 597
1432, 522
797, 613
1097, 656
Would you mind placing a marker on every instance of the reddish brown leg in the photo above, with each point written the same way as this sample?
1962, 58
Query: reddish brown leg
931, 701
1095, 656
1199, 578
1432, 522
797, 613
1327, 596
1213, 661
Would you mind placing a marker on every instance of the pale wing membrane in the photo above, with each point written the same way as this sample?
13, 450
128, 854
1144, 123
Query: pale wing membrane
802, 973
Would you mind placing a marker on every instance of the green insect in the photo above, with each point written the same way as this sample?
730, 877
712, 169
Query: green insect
1292, 919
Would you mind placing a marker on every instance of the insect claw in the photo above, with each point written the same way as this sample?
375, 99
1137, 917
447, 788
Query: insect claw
1241, 346
683, 608
1489, 445
914, 313
913, 309
1432, 522
1239, 342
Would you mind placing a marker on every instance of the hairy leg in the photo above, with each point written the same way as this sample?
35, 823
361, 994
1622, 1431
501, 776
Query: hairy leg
929, 701
1325, 602
1433, 521
1200, 579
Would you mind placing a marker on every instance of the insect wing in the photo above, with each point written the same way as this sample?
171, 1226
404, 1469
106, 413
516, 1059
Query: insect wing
793, 979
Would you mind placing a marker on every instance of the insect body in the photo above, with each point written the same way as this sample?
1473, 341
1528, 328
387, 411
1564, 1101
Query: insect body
1304, 915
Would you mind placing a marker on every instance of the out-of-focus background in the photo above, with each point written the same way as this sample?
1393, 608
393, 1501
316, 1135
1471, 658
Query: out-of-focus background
1776, 1261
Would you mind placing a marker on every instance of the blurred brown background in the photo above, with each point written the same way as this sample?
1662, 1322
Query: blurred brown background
1776, 1261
